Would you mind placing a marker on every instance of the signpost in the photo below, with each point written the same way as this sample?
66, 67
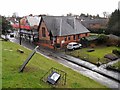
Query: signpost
55, 77
28, 59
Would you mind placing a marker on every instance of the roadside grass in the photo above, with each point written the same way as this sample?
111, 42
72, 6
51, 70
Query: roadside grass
0, 64
95, 56
35, 70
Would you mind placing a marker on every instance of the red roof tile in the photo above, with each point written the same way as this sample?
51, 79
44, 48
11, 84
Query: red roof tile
22, 26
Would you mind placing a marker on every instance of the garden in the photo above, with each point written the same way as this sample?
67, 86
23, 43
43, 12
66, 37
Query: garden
98, 49
94, 55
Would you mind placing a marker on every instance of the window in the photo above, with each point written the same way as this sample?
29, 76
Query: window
68, 37
78, 36
75, 44
74, 37
65, 38
43, 32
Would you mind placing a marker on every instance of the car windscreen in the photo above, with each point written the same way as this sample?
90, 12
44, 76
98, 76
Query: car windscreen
75, 44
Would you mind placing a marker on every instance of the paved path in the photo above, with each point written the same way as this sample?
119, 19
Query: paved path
110, 63
114, 75
63, 59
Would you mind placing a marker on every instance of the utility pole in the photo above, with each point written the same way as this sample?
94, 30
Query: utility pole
19, 32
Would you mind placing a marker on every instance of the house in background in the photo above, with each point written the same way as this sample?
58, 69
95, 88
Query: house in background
58, 31
29, 27
95, 24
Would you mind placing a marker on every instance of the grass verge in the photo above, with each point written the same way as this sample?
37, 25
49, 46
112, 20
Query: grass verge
35, 70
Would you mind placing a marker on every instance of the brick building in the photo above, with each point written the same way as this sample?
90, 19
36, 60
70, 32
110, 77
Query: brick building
58, 31
29, 27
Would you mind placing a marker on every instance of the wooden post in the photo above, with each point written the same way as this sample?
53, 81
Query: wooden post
28, 59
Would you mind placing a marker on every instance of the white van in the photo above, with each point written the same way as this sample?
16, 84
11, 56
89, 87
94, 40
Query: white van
73, 45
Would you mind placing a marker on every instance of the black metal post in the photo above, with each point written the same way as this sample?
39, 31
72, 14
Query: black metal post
20, 32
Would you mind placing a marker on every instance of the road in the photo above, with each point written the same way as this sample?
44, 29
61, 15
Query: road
89, 73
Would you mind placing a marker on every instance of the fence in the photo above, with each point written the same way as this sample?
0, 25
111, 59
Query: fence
62, 80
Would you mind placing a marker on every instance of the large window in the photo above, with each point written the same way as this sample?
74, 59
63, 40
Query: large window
43, 32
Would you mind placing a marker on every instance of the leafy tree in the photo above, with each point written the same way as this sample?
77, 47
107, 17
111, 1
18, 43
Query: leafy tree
0, 25
114, 23
5, 25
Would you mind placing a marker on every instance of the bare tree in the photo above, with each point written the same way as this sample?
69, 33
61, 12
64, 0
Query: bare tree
106, 14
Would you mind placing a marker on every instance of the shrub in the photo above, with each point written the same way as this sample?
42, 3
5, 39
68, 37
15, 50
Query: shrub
92, 45
102, 39
117, 52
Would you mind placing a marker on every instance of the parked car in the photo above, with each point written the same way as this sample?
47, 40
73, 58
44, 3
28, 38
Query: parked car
73, 45
11, 35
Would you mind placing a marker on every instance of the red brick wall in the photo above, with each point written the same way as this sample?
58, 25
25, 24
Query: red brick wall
46, 31
59, 38
47, 38
84, 35
62, 38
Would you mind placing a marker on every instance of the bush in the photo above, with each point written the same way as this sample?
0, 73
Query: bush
92, 45
102, 39
116, 52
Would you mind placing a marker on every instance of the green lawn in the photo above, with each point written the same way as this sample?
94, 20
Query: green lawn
92, 57
35, 70
0, 65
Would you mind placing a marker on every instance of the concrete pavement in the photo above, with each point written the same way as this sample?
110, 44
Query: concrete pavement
111, 74
110, 63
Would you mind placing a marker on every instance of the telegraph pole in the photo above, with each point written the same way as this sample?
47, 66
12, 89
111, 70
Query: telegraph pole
19, 33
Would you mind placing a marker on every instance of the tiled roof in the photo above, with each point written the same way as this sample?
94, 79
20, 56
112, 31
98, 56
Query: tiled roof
33, 20
30, 21
64, 25
95, 21
21, 26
